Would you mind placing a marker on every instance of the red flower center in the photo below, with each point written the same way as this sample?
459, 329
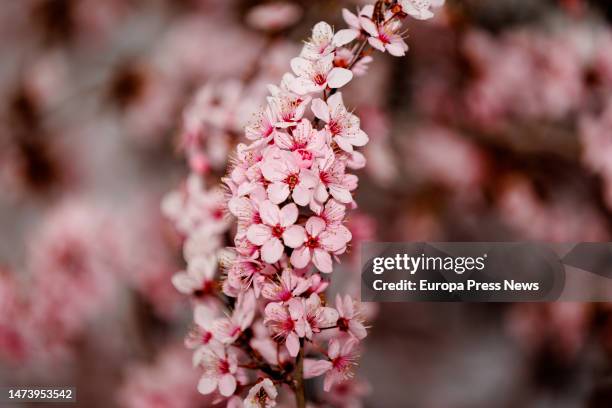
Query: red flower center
312, 242
335, 127
320, 79
292, 180
277, 231
223, 367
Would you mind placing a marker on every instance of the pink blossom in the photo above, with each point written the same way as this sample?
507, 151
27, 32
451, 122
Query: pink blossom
333, 213
288, 286
261, 395
283, 169
385, 37
349, 319
354, 21
282, 321
220, 366
305, 142
261, 126
276, 229
198, 280
341, 125
202, 333
342, 362
320, 241
228, 329
288, 108
245, 272
323, 41
312, 317
332, 177
315, 76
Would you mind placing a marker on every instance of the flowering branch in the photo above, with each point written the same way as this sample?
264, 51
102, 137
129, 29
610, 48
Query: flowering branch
289, 191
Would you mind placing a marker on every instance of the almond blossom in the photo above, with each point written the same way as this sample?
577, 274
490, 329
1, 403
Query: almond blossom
220, 366
348, 318
341, 125
385, 36
288, 190
315, 76
343, 361
283, 170
320, 241
277, 228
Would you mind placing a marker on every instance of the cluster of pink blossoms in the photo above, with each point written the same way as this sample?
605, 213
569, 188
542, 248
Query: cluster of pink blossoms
267, 326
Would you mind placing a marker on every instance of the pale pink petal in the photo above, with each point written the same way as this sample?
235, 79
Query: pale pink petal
320, 110
334, 240
270, 214
294, 236
258, 234
272, 250
288, 215
278, 192
293, 344
227, 385
360, 139
206, 385
344, 143
328, 317
302, 86
349, 345
340, 193
340, 305
338, 77
275, 311
333, 351
344, 37
396, 49
335, 102
301, 67
314, 226
301, 195
300, 257
184, 283
314, 368
350, 18
322, 31
369, 26
283, 140
322, 260
358, 329
376, 43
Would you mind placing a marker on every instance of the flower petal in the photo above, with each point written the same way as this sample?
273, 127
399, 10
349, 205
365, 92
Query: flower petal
206, 385
338, 77
270, 213
344, 37
278, 192
227, 385
259, 234
322, 260
300, 257
320, 109
293, 344
294, 236
314, 368
272, 250
288, 215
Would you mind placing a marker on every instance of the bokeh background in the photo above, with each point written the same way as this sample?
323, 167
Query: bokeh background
496, 126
